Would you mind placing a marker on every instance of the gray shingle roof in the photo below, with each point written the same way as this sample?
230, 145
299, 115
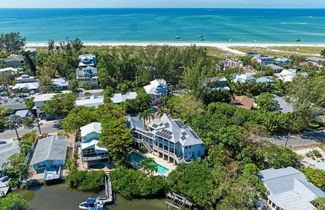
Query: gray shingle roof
50, 148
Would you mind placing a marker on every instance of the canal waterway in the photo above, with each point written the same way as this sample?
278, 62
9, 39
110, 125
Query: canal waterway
64, 198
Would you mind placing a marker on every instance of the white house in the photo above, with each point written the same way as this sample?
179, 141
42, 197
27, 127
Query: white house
11, 70
26, 83
156, 89
120, 98
287, 75
14, 60
87, 60
232, 63
60, 84
90, 151
169, 139
288, 189
275, 68
93, 101
87, 77
264, 80
242, 78
40, 100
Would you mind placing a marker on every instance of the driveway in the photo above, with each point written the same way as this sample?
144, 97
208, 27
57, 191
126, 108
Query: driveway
304, 139
46, 127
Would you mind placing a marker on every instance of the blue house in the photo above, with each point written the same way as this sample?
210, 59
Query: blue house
50, 153
156, 89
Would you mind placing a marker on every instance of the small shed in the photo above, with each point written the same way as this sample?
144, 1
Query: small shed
50, 153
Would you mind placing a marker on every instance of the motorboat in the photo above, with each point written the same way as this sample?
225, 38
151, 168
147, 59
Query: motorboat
178, 37
92, 204
298, 40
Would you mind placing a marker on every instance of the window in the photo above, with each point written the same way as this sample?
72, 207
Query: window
41, 165
52, 164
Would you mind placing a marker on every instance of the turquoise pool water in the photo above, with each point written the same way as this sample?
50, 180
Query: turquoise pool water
138, 158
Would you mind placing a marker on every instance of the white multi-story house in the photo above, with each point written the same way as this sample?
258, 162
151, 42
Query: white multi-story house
156, 89
26, 83
87, 60
169, 139
87, 77
242, 78
288, 189
231, 63
14, 60
90, 151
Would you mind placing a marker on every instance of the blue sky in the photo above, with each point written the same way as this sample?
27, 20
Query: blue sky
162, 3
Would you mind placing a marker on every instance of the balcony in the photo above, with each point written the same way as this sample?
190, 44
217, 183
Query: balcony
94, 158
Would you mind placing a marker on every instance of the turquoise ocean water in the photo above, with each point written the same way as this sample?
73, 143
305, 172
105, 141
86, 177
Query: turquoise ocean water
163, 25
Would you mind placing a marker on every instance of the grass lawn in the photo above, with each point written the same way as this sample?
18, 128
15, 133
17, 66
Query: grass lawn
261, 50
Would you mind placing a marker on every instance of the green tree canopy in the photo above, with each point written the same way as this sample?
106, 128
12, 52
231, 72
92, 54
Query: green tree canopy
266, 102
60, 104
78, 117
14, 202
12, 42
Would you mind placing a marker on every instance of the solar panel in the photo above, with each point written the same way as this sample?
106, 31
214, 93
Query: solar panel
183, 138
184, 133
155, 125
179, 123
167, 125
194, 134
169, 137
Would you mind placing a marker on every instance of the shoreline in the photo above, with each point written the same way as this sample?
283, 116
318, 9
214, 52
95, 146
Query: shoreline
184, 44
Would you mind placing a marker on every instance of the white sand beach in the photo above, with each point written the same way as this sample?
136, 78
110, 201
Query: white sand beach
223, 46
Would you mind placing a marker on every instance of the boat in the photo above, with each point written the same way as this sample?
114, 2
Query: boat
178, 37
201, 36
298, 40
91, 204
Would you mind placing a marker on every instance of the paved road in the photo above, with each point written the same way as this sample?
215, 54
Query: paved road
46, 127
304, 139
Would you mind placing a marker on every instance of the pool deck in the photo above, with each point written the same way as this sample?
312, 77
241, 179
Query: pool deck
162, 162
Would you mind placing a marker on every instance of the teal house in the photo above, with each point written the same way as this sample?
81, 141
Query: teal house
50, 154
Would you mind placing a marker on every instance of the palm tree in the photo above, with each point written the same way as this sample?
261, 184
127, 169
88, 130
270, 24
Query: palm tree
143, 115
51, 46
161, 112
151, 114
15, 122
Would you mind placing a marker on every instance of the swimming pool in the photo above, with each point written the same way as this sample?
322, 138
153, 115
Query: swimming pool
138, 158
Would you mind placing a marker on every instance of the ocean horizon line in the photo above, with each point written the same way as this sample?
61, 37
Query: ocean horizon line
139, 8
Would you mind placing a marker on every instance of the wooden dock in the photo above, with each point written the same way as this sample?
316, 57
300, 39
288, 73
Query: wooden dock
178, 201
108, 197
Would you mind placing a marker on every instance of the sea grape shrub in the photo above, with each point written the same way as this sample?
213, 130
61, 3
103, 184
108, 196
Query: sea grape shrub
86, 180
130, 183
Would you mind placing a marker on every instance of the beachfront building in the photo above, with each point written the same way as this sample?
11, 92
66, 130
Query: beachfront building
282, 61
168, 138
231, 63
156, 90
275, 68
14, 60
242, 78
93, 101
90, 151
288, 189
60, 84
87, 77
26, 83
216, 83
119, 98
263, 59
40, 100
50, 154
87, 60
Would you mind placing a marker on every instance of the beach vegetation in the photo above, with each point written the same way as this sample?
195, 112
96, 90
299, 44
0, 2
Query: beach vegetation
316, 176
266, 102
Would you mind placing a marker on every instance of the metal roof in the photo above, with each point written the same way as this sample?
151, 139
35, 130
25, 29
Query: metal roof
119, 98
93, 101
50, 148
289, 189
92, 127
